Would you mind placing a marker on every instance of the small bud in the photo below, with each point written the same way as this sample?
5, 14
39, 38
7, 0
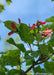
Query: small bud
11, 32
13, 25
19, 20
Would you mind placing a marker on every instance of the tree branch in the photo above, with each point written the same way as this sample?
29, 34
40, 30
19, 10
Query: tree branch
30, 67
30, 47
36, 63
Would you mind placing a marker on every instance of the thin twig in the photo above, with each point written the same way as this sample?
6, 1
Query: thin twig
29, 46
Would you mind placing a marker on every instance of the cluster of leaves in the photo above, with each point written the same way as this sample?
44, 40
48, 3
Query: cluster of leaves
8, 1
44, 51
52, 0
11, 58
2, 6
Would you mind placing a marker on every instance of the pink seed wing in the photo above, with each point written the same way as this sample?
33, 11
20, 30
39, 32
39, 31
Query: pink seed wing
50, 35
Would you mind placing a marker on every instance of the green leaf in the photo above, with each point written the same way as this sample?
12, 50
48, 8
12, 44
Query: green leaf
52, 0
27, 52
29, 60
21, 47
14, 72
1, 7
50, 42
46, 49
52, 58
50, 19
2, 52
49, 66
38, 70
50, 48
35, 54
11, 41
30, 73
2, 72
32, 31
39, 37
14, 55
18, 67
25, 34
8, 25
8, 1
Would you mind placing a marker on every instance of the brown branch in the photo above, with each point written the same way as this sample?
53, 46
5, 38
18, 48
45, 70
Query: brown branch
36, 63
20, 64
31, 51
30, 67
30, 47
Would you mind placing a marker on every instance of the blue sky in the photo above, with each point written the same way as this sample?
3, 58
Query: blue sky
29, 11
